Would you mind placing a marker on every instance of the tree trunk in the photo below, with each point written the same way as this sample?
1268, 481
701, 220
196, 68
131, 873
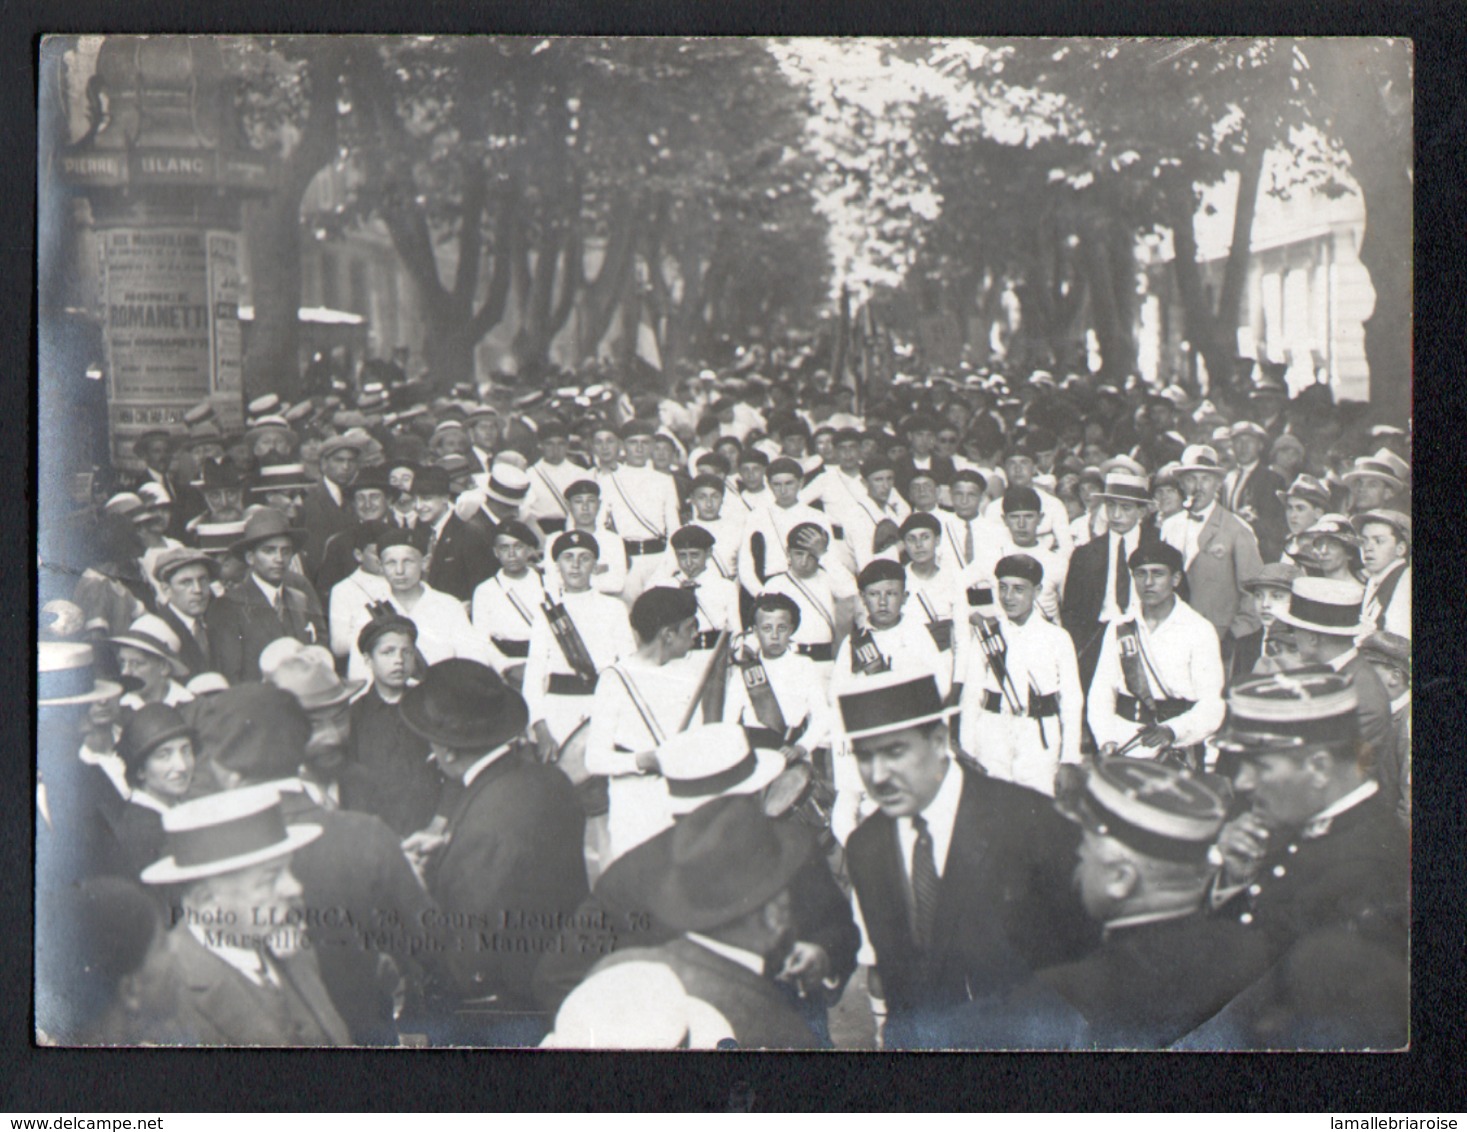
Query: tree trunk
272, 228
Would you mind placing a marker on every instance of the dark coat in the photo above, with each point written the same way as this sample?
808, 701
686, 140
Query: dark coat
1261, 494
140, 834
1356, 876
194, 658
822, 915
367, 900
1085, 598
759, 1013
1377, 732
322, 517
515, 853
462, 558
407, 787
242, 623
218, 1006
1006, 908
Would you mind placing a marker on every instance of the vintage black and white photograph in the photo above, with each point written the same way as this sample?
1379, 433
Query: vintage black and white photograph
601, 543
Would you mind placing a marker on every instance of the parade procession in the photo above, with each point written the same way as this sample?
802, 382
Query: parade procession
724, 544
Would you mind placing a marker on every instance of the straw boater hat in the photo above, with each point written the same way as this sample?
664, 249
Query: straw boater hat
703, 763
507, 484
281, 477
891, 703
1126, 487
219, 538
1326, 605
1200, 458
66, 675
154, 636
224, 833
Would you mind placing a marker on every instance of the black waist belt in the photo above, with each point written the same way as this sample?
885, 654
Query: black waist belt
1129, 707
817, 652
1040, 707
564, 685
647, 546
706, 640
768, 739
520, 649
837, 531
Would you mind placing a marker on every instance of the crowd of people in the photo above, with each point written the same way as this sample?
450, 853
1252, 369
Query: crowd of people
1019, 710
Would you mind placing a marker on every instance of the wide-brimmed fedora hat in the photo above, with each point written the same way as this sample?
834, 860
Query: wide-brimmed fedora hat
1385, 465
1326, 605
507, 484
154, 636
350, 441
66, 674
1308, 488
891, 703
702, 763
226, 832
1125, 487
266, 523
720, 862
465, 705
1200, 458
307, 672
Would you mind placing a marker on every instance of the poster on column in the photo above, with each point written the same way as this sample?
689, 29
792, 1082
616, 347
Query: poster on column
158, 333
227, 376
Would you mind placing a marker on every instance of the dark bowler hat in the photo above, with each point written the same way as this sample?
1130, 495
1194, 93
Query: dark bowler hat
1157, 810
257, 730
661, 607
1154, 552
266, 523
219, 475
692, 538
224, 833
1290, 712
1025, 567
574, 540
431, 480
147, 729
722, 861
891, 703
373, 478
464, 705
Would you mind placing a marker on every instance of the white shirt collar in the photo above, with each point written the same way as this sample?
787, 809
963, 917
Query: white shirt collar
941, 815
272, 593
479, 767
251, 964
1149, 918
333, 489
1401, 701
738, 955
1339, 662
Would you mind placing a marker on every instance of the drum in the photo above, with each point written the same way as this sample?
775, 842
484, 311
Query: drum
797, 793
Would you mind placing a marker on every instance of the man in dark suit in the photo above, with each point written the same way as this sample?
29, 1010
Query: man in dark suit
1220, 553
244, 978
1098, 584
264, 605
327, 507
459, 556
186, 576
370, 497
1251, 490
964, 881
722, 884
509, 864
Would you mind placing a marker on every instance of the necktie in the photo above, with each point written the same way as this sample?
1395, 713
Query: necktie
201, 636
967, 542
925, 885
1123, 577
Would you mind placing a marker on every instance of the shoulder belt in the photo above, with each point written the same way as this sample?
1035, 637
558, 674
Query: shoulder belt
568, 637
